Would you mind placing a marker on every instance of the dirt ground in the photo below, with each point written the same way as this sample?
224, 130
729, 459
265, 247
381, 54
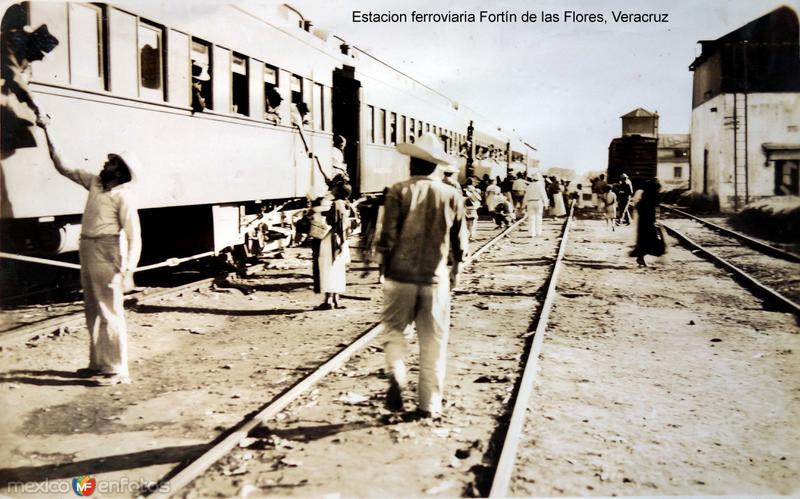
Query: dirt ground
670, 380
200, 362
340, 441
667, 380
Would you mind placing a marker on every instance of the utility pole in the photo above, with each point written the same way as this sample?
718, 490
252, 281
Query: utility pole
470, 170
508, 159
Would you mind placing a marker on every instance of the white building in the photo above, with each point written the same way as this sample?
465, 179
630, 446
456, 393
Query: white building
745, 132
673, 160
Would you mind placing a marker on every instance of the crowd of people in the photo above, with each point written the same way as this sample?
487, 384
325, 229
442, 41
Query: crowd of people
505, 200
429, 211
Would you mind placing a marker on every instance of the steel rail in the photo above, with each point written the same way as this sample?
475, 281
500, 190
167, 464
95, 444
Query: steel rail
46, 326
508, 454
232, 437
43, 261
171, 262
752, 283
755, 243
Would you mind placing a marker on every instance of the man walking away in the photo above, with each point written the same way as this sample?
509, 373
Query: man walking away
623, 199
423, 224
105, 271
536, 201
518, 187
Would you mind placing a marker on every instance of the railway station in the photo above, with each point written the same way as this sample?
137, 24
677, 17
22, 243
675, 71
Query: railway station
246, 253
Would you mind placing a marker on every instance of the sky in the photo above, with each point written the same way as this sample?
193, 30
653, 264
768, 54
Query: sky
560, 86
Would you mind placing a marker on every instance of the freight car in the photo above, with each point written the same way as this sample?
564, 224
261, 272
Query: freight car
635, 155
232, 115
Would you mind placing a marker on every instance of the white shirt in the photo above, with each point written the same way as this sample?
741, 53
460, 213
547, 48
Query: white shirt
536, 192
107, 213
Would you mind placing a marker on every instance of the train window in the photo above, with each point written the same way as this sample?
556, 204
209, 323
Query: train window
370, 124
240, 85
201, 76
427, 127
86, 47
297, 89
272, 98
403, 129
299, 106
411, 133
319, 107
151, 69
380, 127
393, 129
419, 128
677, 172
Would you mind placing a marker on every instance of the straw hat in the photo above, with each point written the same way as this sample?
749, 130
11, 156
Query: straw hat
130, 161
449, 168
427, 147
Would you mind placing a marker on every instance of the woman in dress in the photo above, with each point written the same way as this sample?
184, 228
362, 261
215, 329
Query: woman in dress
472, 203
493, 195
609, 202
333, 253
554, 189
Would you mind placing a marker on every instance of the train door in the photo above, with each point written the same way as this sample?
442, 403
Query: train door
347, 120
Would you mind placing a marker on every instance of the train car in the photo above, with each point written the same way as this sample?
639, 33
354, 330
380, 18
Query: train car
635, 155
232, 122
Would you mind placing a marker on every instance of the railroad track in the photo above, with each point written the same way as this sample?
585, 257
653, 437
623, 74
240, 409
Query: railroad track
754, 243
50, 325
771, 273
229, 442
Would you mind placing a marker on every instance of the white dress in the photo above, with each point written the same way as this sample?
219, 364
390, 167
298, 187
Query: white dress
333, 271
558, 201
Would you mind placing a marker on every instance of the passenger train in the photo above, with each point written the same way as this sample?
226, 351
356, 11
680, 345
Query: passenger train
192, 90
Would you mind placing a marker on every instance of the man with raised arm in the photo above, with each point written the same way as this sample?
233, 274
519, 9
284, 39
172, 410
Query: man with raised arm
107, 266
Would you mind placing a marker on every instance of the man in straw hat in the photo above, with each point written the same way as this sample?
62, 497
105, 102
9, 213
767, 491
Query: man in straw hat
449, 175
423, 224
105, 271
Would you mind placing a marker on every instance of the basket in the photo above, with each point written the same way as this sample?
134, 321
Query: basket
319, 229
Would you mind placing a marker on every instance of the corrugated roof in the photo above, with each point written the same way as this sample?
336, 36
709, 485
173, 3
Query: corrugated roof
639, 113
674, 140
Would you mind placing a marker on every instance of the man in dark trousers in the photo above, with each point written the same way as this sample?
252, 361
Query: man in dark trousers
624, 193
423, 225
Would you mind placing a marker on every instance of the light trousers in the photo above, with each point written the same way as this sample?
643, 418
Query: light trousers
428, 307
535, 213
101, 279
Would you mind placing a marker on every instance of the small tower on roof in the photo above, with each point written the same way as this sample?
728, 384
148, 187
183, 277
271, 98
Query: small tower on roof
640, 122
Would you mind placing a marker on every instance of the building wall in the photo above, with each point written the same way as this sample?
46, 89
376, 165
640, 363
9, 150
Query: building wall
772, 117
645, 125
666, 173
